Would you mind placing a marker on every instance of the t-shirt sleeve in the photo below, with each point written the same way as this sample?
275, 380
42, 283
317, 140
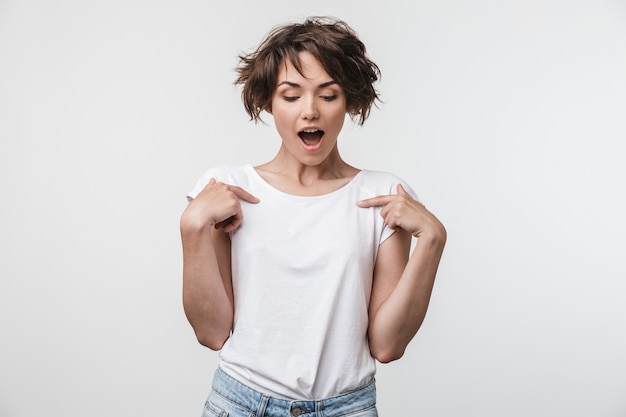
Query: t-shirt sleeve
203, 181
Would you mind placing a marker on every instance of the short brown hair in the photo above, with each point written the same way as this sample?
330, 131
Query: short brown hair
332, 42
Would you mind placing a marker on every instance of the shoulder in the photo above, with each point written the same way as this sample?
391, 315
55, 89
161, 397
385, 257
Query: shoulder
229, 174
381, 182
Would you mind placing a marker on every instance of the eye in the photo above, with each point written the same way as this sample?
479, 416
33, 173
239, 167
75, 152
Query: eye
290, 99
329, 98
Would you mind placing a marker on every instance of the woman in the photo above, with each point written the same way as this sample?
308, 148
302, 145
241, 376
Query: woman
298, 270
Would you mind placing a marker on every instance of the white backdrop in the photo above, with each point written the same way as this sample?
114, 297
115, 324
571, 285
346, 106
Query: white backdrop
507, 118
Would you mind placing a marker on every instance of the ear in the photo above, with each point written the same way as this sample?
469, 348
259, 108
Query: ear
268, 108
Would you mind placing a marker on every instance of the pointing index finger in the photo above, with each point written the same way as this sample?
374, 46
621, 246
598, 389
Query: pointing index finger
243, 194
380, 200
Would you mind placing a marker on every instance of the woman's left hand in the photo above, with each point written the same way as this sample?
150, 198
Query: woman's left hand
402, 211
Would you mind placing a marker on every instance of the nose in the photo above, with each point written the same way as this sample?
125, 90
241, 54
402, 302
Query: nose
310, 110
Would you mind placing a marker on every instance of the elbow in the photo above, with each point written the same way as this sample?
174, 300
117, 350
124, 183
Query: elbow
388, 354
211, 341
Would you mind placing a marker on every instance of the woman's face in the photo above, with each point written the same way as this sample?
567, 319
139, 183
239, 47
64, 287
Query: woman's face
309, 110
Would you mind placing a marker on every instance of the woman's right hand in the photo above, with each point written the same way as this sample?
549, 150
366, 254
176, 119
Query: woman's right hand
217, 205
207, 285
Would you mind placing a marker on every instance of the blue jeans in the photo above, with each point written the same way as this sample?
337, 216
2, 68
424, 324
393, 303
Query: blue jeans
230, 398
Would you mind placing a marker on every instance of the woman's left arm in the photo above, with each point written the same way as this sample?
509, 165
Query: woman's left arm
402, 284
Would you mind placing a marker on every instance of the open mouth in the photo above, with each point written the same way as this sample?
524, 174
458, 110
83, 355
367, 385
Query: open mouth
311, 137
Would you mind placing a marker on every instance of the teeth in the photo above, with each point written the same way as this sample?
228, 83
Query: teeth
310, 130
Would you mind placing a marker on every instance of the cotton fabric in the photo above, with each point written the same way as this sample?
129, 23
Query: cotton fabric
302, 270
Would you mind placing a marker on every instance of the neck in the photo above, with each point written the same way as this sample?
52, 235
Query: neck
333, 167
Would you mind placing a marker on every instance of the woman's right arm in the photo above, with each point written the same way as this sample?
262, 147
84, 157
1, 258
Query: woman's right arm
207, 287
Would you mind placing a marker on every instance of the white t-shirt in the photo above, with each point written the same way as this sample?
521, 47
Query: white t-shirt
302, 270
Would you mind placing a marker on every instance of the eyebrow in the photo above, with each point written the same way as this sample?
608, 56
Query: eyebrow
296, 85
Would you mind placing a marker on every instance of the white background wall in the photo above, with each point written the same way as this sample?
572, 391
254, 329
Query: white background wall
507, 117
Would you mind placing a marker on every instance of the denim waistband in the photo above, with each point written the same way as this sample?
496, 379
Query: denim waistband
242, 396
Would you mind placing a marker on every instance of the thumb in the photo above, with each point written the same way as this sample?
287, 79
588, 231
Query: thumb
212, 181
401, 190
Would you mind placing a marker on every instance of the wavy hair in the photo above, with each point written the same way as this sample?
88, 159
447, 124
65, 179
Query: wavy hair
332, 42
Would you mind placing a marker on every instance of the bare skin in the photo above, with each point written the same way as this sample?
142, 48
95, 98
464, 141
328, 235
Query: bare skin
207, 288
402, 289
402, 283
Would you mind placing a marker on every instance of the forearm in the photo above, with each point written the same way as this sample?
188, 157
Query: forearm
400, 316
206, 300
